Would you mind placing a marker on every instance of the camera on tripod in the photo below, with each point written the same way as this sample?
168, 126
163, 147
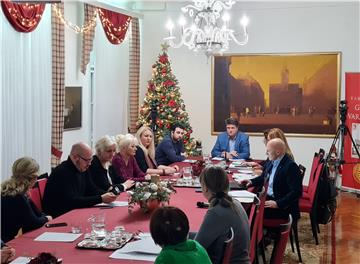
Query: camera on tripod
343, 110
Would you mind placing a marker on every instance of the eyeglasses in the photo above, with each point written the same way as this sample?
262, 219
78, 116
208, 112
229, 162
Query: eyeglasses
86, 160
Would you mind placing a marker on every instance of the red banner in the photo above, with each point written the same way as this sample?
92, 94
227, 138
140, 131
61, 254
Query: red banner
351, 172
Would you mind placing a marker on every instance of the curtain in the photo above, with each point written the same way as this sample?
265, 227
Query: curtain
25, 94
134, 74
58, 86
23, 17
114, 24
87, 37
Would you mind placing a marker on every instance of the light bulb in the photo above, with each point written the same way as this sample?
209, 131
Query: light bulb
169, 25
226, 17
244, 21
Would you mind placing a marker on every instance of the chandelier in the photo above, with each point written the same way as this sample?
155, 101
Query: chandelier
207, 33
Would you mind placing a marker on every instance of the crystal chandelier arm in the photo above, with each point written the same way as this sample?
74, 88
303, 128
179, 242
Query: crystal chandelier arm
244, 41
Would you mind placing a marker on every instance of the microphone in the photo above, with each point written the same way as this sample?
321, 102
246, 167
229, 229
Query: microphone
202, 204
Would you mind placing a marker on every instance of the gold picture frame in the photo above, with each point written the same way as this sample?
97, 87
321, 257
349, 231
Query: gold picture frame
296, 92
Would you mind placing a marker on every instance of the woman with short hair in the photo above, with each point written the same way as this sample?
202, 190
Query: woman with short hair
102, 172
169, 228
124, 161
224, 213
145, 154
17, 210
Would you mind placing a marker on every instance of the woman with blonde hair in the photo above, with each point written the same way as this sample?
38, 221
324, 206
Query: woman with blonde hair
102, 172
124, 161
278, 133
17, 210
145, 153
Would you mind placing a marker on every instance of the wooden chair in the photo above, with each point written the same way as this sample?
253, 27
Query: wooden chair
280, 244
307, 205
228, 247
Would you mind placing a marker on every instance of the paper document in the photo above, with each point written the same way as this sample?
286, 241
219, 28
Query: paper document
21, 260
57, 237
243, 196
217, 158
238, 161
242, 176
133, 256
143, 249
114, 204
145, 245
189, 161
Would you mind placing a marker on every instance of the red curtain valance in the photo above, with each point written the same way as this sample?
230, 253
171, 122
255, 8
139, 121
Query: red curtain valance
114, 24
23, 17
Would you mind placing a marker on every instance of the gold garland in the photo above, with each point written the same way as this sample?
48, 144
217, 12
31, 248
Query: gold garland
83, 29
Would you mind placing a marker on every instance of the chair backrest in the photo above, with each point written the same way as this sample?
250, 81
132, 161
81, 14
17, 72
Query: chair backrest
262, 198
228, 247
279, 249
35, 196
312, 190
37, 192
253, 221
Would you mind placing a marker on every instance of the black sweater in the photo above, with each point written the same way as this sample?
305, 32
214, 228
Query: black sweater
19, 212
67, 189
99, 176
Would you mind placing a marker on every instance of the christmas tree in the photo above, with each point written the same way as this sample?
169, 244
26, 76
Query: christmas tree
163, 105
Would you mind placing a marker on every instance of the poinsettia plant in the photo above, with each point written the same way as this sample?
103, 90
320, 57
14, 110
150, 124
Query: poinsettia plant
145, 192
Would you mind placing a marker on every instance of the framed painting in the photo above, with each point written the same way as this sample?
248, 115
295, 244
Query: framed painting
72, 111
298, 93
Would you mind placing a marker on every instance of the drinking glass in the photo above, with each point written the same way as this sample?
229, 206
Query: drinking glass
187, 173
98, 225
206, 157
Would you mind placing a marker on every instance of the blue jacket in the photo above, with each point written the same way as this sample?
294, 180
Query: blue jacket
241, 145
168, 151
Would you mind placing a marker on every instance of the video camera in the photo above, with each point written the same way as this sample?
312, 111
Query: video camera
343, 110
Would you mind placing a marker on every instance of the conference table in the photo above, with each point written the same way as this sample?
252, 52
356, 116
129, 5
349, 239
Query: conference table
185, 199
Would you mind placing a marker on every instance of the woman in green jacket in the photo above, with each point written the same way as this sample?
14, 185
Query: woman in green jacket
169, 228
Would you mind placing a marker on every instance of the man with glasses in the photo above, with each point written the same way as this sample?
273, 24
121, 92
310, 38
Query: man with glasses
70, 186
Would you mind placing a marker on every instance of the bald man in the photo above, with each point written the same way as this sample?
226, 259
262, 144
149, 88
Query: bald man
70, 186
285, 183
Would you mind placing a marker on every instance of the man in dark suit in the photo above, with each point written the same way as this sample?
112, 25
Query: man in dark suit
232, 144
70, 186
285, 183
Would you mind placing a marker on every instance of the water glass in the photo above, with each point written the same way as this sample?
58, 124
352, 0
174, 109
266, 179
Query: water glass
98, 225
187, 173
76, 228
206, 157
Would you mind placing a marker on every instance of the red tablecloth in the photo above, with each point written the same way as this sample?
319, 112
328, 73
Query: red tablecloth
185, 198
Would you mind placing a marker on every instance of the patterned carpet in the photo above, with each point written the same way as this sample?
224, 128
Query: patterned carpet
310, 252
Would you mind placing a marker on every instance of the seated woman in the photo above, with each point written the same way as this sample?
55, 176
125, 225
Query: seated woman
124, 161
102, 173
145, 154
223, 213
268, 135
169, 228
278, 133
17, 210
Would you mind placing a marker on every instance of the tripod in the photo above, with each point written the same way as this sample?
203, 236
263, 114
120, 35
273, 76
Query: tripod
340, 135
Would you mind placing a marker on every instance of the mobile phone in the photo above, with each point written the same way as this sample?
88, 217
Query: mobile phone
55, 224
115, 190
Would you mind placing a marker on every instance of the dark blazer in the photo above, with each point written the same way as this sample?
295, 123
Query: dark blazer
67, 189
287, 185
241, 145
141, 161
99, 176
19, 212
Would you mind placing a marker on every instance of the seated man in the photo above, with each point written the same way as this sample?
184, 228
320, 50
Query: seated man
70, 186
171, 148
232, 144
285, 183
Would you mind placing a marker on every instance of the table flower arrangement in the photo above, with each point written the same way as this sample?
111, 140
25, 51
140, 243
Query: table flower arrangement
150, 195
